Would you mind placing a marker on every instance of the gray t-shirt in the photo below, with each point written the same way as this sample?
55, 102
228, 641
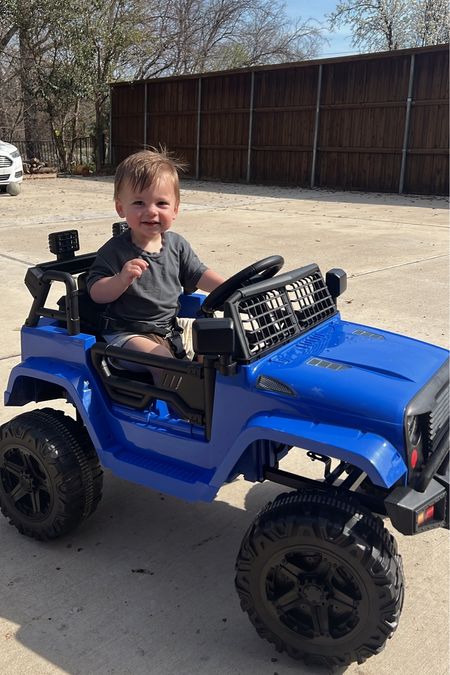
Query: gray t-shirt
154, 296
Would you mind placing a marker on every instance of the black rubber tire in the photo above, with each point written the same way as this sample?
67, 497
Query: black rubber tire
50, 476
321, 579
14, 189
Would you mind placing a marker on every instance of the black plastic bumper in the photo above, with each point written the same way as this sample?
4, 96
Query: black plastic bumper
404, 505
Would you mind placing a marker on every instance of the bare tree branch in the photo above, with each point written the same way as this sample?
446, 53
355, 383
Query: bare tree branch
393, 24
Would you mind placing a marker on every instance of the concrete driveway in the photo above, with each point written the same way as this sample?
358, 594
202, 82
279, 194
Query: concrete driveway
146, 585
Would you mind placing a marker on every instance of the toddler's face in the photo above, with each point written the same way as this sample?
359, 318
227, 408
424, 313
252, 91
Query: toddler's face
149, 212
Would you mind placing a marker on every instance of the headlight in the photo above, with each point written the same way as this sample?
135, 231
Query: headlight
413, 433
413, 429
16, 153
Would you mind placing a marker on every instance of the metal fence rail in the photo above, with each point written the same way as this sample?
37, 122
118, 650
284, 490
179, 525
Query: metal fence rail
47, 152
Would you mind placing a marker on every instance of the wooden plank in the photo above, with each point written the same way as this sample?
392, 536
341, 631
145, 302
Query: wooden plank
282, 168
361, 150
427, 174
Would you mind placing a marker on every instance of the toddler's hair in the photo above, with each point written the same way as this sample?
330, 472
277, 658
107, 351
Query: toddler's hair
146, 167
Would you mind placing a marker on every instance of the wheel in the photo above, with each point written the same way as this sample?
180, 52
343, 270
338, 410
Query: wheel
320, 578
50, 477
263, 269
13, 189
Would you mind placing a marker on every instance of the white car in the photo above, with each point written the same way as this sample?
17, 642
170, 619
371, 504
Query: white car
11, 169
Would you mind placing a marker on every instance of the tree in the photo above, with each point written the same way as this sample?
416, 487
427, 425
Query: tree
8, 28
16, 17
8, 117
432, 22
266, 35
379, 25
110, 38
194, 36
38, 61
63, 56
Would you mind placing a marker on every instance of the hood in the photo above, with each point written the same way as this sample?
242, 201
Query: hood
342, 372
7, 147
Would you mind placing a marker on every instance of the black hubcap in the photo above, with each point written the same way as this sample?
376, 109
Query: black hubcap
315, 594
25, 483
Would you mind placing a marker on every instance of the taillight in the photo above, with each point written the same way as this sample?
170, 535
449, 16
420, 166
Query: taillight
424, 517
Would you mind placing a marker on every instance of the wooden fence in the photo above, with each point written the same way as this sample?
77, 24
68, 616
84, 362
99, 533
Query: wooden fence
376, 122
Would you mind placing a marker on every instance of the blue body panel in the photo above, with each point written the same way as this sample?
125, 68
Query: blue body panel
350, 406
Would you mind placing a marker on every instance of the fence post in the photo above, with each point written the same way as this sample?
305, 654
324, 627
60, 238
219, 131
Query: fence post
406, 132
316, 127
101, 149
112, 134
199, 109
145, 114
250, 124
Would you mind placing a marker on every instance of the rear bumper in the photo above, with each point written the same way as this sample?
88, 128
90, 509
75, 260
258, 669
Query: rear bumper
405, 505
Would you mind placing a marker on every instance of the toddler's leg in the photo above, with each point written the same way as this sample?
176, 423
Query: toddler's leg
186, 325
147, 345
139, 343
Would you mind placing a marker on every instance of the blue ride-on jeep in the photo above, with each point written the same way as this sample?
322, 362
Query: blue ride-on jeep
317, 572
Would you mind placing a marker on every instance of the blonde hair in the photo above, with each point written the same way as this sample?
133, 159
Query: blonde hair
146, 167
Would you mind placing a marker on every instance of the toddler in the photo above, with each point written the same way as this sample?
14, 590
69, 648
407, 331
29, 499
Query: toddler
141, 273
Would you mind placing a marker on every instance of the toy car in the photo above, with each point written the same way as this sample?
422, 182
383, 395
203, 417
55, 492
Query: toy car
11, 169
280, 372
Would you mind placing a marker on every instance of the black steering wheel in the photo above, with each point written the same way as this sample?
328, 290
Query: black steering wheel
263, 269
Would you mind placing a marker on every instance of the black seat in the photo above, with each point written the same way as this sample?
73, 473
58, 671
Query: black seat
81, 282
91, 312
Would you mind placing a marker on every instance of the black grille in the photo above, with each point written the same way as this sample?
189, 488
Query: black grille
5, 161
310, 300
324, 363
436, 425
272, 384
267, 317
267, 320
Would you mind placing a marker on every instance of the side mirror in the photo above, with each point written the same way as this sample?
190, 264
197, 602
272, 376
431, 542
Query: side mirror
212, 337
336, 281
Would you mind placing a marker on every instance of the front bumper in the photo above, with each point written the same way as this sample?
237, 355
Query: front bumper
11, 169
424, 503
407, 508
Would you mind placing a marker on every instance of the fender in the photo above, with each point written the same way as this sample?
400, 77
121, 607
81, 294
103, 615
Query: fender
79, 389
371, 453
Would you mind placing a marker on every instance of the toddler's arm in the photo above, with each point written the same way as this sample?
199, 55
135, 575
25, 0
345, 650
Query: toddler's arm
109, 289
209, 281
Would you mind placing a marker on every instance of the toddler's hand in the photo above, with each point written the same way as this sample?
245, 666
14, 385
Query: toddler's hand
132, 270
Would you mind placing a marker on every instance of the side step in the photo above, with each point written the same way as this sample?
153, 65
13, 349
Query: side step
180, 479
